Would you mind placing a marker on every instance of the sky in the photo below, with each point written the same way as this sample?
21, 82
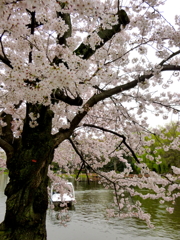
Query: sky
171, 8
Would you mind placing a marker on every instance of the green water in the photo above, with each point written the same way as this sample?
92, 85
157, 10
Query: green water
88, 222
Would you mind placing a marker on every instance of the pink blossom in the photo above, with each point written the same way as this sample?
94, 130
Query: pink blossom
175, 170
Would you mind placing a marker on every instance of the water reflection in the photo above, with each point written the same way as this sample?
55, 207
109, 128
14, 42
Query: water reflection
87, 220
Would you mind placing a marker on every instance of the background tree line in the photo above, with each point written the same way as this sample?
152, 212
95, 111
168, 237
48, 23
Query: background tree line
163, 153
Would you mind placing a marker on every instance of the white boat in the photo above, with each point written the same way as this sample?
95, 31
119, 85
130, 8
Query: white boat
62, 194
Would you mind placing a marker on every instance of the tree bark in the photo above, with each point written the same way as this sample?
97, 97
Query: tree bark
27, 197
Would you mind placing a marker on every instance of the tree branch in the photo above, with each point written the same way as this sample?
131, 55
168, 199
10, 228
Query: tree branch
34, 24
66, 17
82, 159
62, 39
59, 95
117, 134
84, 162
169, 57
66, 133
86, 51
58, 137
170, 67
32, 27
6, 61
95, 171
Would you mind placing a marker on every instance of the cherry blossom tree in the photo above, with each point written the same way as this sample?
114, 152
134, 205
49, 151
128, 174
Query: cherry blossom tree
79, 80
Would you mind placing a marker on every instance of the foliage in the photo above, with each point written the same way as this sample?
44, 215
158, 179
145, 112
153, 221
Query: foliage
117, 165
165, 149
73, 72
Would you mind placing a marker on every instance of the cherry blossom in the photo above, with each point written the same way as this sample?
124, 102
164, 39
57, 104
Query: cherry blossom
82, 80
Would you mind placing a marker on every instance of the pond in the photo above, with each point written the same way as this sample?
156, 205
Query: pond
87, 219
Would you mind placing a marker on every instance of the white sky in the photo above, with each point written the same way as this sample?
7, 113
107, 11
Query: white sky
171, 8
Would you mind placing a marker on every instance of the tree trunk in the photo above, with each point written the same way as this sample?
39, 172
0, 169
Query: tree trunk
27, 197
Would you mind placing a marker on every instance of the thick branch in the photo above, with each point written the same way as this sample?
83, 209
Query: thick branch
85, 51
66, 133
59, 95
33, 23
108, 93
170, 67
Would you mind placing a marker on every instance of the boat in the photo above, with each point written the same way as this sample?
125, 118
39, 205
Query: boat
62, 195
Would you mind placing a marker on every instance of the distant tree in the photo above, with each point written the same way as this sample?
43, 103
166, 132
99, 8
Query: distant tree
165, 148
